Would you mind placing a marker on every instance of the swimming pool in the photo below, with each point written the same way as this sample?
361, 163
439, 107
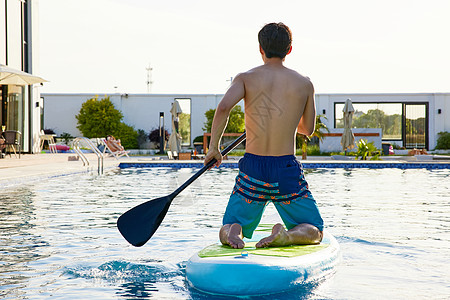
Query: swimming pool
59, 239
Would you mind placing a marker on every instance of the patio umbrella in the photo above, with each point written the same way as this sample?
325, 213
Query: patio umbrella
348, 139
175, 137
12, 76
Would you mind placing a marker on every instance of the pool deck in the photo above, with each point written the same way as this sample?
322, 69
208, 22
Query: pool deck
35, 167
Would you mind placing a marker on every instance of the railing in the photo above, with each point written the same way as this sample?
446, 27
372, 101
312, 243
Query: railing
88, 142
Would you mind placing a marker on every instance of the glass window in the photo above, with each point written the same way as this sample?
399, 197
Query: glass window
15, 108
415, 126
387, 116
185, 121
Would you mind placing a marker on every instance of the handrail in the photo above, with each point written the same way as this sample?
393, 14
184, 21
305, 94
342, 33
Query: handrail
76, 147
93, 148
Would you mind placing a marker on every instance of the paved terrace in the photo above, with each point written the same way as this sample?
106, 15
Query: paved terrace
33, 167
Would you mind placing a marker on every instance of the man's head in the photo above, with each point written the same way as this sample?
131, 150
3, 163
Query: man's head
275, 39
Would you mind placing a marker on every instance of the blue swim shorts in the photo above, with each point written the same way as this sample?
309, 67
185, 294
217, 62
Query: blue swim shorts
276, 179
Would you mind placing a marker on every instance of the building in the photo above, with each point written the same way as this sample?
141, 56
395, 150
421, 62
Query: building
142, 111
410, 120
407, 120
20, 105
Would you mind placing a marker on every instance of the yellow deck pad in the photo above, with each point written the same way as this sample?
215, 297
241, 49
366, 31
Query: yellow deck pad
217, 250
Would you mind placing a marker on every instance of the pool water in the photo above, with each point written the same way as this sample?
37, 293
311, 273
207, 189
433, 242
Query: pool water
59, 238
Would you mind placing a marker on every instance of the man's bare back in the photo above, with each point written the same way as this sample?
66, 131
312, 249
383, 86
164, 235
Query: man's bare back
276, 100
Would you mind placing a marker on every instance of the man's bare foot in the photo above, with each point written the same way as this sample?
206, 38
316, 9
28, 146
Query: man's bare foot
232, 235
279, 237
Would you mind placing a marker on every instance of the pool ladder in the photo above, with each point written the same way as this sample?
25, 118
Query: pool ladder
88, 142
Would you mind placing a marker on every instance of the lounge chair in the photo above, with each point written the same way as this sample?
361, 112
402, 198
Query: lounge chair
116, 154
50, 140
12, 141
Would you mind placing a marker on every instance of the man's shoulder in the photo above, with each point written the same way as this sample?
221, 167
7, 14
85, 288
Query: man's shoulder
299, 76
263, 69
256, 73
251, 72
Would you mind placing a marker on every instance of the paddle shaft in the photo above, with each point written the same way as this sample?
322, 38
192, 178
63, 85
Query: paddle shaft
138, 224
207, 166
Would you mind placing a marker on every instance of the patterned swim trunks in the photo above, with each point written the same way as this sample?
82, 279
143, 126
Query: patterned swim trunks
284, 186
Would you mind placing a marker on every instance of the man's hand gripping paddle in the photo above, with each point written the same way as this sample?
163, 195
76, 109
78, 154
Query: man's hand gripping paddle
139, 223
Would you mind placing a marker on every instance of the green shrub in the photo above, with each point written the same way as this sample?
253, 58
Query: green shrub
154, 136
366, 149
443, 141
49, 131
313, 150
141, 138
198, 139
99, 118
236, 122
128, 136
66, 137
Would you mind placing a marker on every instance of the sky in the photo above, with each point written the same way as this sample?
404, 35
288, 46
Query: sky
193, 46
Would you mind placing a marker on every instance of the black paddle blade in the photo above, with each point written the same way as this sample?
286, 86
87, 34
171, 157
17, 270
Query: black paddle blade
139, 223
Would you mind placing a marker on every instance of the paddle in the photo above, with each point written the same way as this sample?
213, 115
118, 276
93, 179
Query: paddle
139, 223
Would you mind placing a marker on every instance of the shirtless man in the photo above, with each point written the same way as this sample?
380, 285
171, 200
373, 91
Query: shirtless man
278, 103
114, 144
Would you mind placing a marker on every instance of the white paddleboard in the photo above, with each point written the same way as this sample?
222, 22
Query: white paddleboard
223, 270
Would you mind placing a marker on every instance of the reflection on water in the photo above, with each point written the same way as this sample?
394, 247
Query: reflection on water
59, 239
18, 245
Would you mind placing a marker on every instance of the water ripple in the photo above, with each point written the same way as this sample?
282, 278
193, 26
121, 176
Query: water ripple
58, 237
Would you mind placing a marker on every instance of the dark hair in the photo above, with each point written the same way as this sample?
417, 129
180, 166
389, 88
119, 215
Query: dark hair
275, 39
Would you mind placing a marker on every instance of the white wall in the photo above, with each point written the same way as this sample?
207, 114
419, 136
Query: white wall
11, 55
14, 34
2, 33
139, 110
35, 67
442, 120
142, 110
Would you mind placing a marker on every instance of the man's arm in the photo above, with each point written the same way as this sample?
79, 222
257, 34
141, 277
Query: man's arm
234, 94
308, 120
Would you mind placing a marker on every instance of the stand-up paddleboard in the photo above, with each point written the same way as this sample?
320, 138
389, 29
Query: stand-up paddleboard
221, 269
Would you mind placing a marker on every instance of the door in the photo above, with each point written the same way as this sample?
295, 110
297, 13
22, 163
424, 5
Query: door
415, 126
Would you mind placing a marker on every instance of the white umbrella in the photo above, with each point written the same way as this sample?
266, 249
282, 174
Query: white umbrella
348, 139
175, 137
12, 76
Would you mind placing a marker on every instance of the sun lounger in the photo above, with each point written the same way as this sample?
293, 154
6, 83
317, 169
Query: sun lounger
116, 154
50, 140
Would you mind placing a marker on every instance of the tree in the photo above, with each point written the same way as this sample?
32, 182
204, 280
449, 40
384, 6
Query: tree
99, 118
303, 140
184, 126
376, 118
236, 120
128, 136
155, 138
